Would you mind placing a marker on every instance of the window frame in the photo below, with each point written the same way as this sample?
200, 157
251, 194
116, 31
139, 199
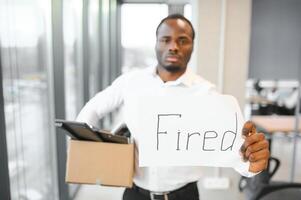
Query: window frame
4, 171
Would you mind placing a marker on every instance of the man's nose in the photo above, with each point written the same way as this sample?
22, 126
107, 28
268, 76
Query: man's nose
173, 47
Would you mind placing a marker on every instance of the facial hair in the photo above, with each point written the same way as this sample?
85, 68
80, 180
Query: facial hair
172, 68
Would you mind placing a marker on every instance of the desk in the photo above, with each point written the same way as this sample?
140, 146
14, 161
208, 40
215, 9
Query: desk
284, 124
262, 106
260, 100
272, 124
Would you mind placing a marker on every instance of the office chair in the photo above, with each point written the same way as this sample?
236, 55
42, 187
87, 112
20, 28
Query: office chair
260, 187
290, 191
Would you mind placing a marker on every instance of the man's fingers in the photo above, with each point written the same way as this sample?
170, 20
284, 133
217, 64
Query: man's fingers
251, 140
258, 166
255, 148
248, 129
264, 144
259, 155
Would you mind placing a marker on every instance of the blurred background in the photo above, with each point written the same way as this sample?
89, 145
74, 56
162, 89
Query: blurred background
57, 54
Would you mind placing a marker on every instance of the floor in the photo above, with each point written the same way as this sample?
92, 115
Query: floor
281, 148
92, 192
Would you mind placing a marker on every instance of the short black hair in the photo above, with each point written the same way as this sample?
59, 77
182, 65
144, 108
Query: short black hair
176, 16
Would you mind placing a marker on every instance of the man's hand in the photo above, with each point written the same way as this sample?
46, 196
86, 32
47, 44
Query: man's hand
255, 148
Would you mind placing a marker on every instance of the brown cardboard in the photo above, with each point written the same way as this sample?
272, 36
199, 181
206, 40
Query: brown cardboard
100, 163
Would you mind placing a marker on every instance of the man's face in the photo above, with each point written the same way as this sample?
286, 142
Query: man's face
174, 45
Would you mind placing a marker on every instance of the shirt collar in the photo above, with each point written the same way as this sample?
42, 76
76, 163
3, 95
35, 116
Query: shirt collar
185, 79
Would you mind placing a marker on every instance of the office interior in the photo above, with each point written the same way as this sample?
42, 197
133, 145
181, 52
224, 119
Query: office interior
57, 54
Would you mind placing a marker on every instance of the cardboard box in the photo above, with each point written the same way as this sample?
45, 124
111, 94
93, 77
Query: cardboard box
100, 163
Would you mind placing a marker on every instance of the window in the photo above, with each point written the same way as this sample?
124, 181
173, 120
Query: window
73, 57
138, 33
25, 49
188, 11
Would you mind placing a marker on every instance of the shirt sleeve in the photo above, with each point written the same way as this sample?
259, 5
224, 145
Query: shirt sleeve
243, 169
103, 102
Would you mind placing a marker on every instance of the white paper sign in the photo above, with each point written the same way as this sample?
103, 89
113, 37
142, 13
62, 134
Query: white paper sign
189, 131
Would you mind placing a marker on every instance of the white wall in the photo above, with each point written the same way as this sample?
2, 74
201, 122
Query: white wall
236, 37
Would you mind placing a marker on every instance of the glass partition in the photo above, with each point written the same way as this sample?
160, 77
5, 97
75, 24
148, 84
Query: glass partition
25, 49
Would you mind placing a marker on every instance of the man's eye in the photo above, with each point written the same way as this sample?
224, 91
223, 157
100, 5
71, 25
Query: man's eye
164, 40
183, 41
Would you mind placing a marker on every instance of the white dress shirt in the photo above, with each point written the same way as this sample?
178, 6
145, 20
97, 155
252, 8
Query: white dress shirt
146, 81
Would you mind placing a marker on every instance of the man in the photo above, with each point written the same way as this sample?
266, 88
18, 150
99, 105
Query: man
174, 45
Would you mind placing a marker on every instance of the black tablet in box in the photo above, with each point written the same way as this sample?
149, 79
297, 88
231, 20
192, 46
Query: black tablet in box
78, 130
109, 137
82, 131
